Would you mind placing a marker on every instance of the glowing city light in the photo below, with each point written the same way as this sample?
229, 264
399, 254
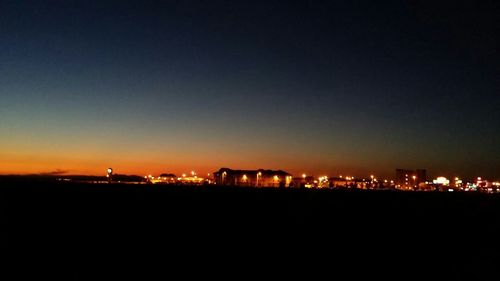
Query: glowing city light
441, 181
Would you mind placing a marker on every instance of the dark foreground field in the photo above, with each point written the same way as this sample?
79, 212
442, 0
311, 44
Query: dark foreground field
78, 231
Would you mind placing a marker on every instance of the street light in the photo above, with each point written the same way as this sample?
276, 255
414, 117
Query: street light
109, 174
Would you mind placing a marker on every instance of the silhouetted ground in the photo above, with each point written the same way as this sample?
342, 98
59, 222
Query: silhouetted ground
79, 231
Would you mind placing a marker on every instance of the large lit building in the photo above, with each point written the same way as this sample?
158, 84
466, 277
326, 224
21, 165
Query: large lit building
256, 178
406, 177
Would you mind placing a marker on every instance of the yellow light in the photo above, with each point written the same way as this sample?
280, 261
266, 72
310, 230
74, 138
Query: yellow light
183, 175
259, 174
304, 175
244, 177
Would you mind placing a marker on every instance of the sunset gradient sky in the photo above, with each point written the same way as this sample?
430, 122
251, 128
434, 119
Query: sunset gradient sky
322, 87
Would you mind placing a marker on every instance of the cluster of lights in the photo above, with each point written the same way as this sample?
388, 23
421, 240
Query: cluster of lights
441, 181
323, 178
321, 181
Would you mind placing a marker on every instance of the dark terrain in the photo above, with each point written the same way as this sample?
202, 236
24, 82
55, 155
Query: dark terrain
83, 231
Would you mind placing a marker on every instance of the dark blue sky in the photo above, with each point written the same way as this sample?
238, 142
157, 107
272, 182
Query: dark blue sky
319, 86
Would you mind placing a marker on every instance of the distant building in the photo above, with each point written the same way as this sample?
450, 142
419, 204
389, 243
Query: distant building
168, 178
406, 177
163, 179
346, 182
304, 181
255, 178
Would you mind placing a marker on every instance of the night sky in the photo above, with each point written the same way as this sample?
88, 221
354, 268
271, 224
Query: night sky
321, 87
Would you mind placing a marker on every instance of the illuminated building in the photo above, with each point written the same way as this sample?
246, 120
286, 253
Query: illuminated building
343, 182
406, 177
192, 180
304, 181
257, 178
441, 181
162, 179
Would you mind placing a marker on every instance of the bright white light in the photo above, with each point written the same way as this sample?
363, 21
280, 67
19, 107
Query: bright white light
441, 180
